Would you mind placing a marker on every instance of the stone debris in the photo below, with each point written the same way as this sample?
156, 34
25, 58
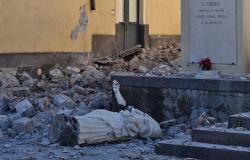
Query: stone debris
30, 83
205, 120
4, 104
8, 80
1, 135
134, 63
100, 126
90, 77
100, 101
23, 125
20, 91
27, 104
63, 101
168, 123
165, 70
83, 91
42, 149
81, 110
43, 104
130, 51
13, 117
24, 77
55, 74
25, 108
176, 131
161, 61
106, 61
73, 70
4, 122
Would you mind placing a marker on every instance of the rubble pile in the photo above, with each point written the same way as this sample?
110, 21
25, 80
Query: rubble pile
100, 126
74, 90
162, 61
28, 104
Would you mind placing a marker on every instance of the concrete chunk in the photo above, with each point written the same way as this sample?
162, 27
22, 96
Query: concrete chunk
25, 108
8, 80
55, 74
23, 125
89, 77
4, 104
43, 104
20, 91
63, 101
4, 122
100, 101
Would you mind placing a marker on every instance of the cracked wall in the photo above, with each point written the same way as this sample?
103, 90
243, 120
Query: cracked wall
45, 25
82, 25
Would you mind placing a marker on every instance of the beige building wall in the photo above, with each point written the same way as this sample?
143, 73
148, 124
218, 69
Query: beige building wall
164, 17
46, 25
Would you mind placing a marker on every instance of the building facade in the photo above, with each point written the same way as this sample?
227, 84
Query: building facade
47, 31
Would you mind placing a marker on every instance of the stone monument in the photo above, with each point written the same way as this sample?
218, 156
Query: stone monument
218, 29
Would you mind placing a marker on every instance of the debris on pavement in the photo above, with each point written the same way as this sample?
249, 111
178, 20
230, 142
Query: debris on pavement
130, 51
205, 120
28, 104
23, 125
100, 126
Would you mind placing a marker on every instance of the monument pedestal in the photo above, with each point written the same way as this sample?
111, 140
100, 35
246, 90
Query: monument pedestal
218, 29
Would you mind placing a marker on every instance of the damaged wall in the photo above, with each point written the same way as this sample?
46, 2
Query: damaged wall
46, 25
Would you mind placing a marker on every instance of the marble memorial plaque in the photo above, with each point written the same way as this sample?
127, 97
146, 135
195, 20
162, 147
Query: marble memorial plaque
212, 31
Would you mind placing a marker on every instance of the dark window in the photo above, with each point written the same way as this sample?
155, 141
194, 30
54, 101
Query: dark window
92, 5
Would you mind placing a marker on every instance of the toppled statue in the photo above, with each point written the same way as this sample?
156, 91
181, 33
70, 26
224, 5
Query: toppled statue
102, 126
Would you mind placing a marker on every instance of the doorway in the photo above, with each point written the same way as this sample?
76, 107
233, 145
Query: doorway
127, 26
131, 23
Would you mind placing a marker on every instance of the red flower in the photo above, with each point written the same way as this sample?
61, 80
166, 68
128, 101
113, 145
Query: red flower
205, 64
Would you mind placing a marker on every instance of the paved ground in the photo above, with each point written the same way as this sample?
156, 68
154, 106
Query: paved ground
30, 148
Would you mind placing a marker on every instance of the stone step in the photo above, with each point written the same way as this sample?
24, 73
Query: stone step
239, 120
222, 136
187, 149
